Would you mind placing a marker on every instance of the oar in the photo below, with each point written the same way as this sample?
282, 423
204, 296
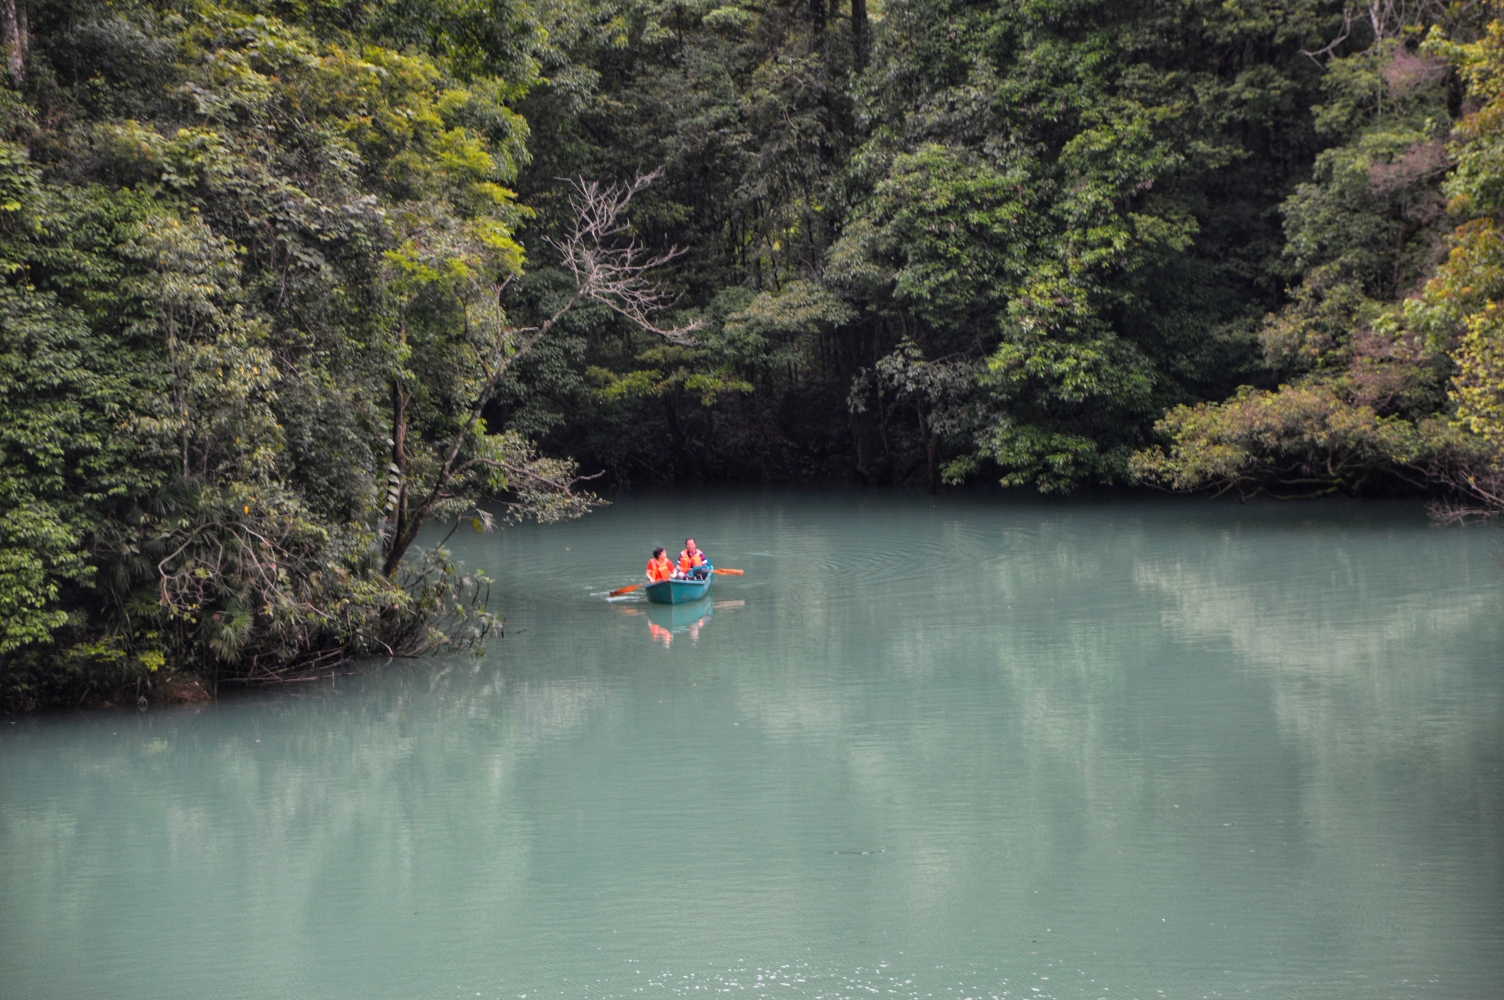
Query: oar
729, 572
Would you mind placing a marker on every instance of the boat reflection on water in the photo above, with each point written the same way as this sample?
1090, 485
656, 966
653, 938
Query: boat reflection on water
667, 621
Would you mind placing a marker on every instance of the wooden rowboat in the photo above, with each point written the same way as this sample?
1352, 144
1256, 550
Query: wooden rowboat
678, 591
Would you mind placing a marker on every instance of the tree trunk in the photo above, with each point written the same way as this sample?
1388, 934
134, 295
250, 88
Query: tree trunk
931, 442
16, 40
859, 32
396, 548
817, 15
934, 466
675, 437
856, 439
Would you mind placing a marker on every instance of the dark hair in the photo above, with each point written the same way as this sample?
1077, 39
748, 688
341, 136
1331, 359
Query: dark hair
658, 552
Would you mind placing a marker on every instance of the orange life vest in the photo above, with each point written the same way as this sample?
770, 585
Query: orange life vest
660, 569
689, 560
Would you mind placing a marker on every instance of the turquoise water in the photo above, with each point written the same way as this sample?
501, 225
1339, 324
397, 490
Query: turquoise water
975, 747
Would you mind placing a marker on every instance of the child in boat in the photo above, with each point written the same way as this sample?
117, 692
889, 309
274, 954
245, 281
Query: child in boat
659, 567
692, 562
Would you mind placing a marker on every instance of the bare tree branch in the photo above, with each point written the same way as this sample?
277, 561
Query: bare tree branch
1330, 47
609, 266
607, 262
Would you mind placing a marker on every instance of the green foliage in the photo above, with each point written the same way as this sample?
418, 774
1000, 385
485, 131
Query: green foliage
1367, 342
1460, 307
226, 231
684, 374
1086, 191
282, 282
37, 553
943, 237
1478, 386
1304, 440
1082, 195
1393, 379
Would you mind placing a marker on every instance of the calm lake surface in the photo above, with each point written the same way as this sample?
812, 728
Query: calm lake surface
976, 747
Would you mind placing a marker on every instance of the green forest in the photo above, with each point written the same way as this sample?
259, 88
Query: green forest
283, 282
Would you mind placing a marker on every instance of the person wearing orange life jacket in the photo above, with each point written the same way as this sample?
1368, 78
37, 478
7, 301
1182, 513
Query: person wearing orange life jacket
659, 567
692, 562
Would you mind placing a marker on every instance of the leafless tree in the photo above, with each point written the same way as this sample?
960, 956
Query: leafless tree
607, 262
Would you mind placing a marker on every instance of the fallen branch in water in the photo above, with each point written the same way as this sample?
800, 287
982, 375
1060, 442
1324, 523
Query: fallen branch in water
280, 679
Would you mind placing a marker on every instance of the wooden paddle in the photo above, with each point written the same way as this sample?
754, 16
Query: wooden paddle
730, 572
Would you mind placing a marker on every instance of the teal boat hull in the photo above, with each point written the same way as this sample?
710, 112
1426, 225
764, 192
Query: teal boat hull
678, 591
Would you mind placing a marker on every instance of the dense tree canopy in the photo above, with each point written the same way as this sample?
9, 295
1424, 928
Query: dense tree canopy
280, 282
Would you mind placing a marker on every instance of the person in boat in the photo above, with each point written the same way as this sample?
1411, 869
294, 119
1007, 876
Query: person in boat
692, 562
659, 567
